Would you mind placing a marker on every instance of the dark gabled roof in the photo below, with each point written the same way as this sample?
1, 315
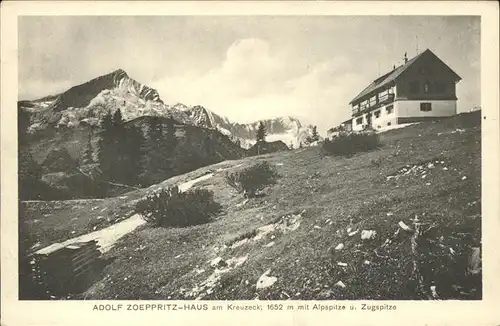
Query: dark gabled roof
391, 76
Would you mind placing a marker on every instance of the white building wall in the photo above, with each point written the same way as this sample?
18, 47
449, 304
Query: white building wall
385, 119
356, 126
405, 109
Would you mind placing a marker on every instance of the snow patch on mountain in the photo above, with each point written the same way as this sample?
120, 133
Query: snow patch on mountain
89, 102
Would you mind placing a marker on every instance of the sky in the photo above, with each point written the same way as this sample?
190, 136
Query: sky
245, 67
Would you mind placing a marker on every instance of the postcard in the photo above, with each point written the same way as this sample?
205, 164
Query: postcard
277, 163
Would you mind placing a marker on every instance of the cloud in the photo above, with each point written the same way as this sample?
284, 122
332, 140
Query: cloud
244, 67
254, 82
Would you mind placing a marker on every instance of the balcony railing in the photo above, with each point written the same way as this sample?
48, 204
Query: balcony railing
382, 99
385, 98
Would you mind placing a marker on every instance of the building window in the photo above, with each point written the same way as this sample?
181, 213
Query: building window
359, 121
390, 109
377, 114
426, 107
414, 87
388, 123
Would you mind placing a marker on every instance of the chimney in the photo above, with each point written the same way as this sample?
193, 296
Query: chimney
406, 58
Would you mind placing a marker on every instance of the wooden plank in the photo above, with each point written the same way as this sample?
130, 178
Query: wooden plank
80, 266
87, 256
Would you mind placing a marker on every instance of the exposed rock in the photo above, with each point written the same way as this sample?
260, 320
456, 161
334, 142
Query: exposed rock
236, 261
326, 294
433, 292
340, 284
218, 262
265, 281
353, 233
239, 243
405, 227
368, 234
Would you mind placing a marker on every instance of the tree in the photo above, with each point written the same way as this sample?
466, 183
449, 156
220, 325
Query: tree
170, 137
117, 118
188, 156
261, 132
158, 151
107, 147
132, 148
29, 172
314, 135
119, 149
260, 136
153, 155
168, 147
88, 152
23, 123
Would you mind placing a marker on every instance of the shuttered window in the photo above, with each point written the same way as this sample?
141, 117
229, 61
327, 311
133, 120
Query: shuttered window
426, 107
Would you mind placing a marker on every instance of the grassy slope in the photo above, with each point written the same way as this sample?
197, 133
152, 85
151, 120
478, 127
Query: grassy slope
335, 193
53, 221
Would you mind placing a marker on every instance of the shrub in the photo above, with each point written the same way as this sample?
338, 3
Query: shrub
252, 179
170, 207
346, 144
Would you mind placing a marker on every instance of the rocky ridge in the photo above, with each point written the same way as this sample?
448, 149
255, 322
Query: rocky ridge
87, 103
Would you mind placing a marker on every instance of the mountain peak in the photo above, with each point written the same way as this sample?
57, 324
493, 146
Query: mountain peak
120, 73
120, 70
81, 95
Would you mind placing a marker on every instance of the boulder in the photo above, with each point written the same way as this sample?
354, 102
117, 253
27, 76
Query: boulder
265, 281
368, 234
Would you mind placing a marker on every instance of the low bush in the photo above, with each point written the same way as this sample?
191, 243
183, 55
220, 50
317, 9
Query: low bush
252, 179
173, 208
345, 144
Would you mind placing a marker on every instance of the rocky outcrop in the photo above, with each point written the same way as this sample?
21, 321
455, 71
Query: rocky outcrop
287, 129
81, 95
86, 104
264, 147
